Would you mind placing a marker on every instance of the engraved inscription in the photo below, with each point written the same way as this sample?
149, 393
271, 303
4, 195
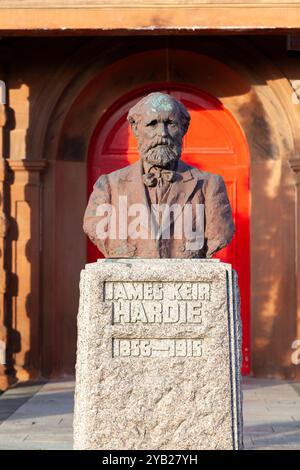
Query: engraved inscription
157, 312
157, 302
157, 291
155, 347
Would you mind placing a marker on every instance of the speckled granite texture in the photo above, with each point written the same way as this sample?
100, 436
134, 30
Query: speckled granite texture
159, 354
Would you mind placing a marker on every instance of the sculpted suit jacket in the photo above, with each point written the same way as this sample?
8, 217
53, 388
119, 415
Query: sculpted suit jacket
192, 186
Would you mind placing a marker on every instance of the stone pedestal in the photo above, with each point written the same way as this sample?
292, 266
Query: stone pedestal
158, 359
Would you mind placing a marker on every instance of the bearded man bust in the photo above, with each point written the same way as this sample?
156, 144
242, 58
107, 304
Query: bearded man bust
159, 207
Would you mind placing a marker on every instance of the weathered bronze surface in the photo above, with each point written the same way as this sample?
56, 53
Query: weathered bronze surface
159, 180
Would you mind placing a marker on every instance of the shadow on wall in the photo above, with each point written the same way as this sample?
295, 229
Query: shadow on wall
273, 299
9, 332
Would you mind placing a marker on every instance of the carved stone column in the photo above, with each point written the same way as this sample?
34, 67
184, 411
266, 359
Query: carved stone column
25, 237
295, 165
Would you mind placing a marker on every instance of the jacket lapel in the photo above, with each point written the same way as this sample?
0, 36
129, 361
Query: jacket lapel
132, 180
182, 188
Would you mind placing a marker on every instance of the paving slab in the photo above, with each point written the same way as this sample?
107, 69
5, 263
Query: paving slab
271, 410
16, 396
44, 421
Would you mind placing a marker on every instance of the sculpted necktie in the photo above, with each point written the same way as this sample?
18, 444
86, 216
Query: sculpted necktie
159, 178
151, 178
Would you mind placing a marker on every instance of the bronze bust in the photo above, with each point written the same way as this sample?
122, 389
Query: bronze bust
159, 207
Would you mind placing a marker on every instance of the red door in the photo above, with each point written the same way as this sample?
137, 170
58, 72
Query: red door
215, 143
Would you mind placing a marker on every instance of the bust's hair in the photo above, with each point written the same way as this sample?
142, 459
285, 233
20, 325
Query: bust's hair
134, 114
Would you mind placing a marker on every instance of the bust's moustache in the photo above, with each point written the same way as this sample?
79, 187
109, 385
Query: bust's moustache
159, 142
161, 155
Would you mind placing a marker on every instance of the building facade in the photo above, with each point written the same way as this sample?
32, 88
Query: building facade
70, 75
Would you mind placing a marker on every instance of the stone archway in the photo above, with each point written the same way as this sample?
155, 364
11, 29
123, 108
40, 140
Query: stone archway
261, 106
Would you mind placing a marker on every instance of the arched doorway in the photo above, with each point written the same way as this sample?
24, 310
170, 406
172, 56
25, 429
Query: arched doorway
214, 142
94, 78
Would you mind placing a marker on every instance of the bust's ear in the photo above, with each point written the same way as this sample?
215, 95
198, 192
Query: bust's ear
133, 125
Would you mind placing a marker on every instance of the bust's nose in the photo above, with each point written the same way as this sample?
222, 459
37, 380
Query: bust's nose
162, 129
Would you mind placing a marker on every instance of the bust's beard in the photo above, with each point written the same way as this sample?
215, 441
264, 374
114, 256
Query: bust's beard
161, 155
